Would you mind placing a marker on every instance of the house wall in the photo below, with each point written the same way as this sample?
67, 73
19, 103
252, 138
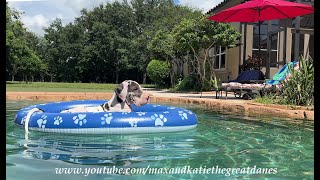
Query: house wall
249, 41
232, 61
235, 56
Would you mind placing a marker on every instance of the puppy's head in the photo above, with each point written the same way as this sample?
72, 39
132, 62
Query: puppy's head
131, 92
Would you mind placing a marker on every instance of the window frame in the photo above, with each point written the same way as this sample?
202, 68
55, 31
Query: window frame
219, 54
265, 50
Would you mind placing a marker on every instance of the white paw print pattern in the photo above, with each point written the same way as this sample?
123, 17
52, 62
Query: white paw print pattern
39, 155
133, 123
42, 121
54, 156
155, 105
166, 112
74, 160
23, 120
80, 119
106, 119
57, 120
183, 115
159, 120
124, 113
171, 107
188, 111
141, 113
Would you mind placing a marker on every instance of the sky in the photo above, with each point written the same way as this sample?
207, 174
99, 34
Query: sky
39, 14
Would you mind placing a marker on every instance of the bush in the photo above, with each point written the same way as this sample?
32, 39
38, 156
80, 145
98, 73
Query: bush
192, 83
159, 72
187, 84
299, 89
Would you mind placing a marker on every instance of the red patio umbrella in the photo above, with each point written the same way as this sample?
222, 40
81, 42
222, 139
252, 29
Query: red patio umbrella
262, 10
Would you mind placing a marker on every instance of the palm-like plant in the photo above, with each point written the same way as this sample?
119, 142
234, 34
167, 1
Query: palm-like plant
299, 89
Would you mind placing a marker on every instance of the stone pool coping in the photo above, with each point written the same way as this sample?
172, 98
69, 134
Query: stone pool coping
229, 106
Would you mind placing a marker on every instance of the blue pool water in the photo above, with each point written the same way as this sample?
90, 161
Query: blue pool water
219, 140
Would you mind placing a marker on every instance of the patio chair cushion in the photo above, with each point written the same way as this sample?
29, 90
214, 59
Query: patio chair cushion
249, 75
282, 74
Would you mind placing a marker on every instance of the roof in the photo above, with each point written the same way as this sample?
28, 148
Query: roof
224, 4
220, 4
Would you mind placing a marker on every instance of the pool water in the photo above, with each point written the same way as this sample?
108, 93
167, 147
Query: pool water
218, 140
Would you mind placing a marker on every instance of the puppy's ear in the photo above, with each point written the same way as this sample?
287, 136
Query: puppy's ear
122, 90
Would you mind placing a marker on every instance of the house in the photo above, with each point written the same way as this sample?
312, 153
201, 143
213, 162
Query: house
282, 40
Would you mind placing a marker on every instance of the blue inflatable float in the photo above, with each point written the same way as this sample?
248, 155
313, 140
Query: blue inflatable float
149, 118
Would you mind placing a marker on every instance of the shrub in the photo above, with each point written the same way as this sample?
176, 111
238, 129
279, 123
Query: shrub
299, 89
187, 84
159, 72
191, 83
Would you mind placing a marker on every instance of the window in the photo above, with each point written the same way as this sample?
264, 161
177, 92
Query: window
219, 57
306, 21
263, 42
302, 48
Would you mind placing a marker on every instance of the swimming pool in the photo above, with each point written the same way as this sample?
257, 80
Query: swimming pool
219, 140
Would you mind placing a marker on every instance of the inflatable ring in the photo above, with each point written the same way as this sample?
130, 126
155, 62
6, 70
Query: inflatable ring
149, 118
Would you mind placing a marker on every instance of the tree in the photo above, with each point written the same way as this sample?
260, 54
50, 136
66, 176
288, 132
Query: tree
198, 36
112, 42
15, 44
55, 49
162, 46
21, 47
30, 65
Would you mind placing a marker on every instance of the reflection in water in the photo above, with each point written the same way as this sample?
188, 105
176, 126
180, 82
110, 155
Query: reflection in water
119, 150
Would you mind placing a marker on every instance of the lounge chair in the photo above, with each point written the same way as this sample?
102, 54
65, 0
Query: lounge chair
245, 77
255, 87
248, 76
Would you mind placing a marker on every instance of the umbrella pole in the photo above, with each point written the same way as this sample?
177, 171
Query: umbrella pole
259, 55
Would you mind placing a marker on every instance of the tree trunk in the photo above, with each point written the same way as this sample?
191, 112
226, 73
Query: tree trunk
117, 74
32, 78
26, 78
204, 64
144, 78
172, 74
12, 77
137, 76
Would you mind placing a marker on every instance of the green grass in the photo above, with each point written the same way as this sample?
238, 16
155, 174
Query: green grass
62, 87
264, 100
268, 99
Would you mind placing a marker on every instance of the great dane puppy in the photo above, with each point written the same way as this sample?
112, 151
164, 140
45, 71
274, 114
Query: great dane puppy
128, 92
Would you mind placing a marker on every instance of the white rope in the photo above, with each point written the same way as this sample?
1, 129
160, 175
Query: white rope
26, 122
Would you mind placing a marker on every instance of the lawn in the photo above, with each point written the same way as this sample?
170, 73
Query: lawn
62, 87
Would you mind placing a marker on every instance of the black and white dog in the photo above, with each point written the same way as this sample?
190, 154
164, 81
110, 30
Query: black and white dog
128, 92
